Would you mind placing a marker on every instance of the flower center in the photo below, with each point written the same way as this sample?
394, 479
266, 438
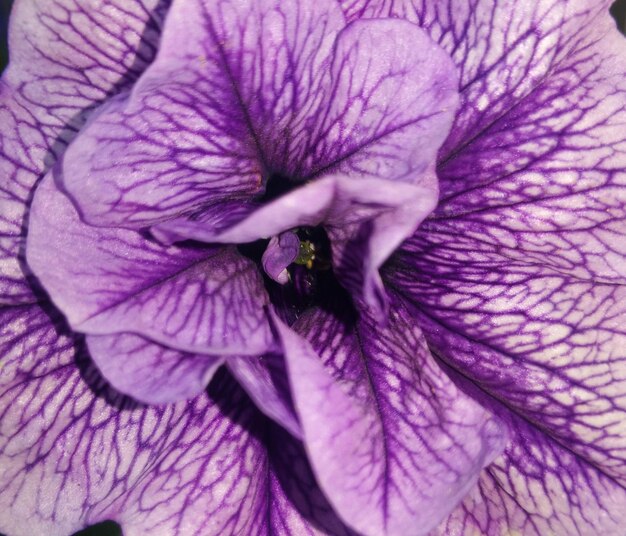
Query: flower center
308, 277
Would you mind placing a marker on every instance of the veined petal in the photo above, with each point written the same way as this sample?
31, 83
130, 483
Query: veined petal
549, 346
107, 280
519, 275
150, 372
554, 190
503, 50
388, 113
534, 163
381, 116
229, 94
394, 445
366, 219
538, 487
65, 57
73, 452
281, 251
264, 378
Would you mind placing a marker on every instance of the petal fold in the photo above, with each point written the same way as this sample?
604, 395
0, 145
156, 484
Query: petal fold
150, 372
211, 117
536, 487
265, 380
193, 299
66, 56
74, 452
393, 443
550, 347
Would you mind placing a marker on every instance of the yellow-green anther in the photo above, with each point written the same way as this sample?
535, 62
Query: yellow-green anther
306, 255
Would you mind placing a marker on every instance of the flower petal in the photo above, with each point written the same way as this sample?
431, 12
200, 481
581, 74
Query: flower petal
389, 112
366, 219
66, 56
535, 160
503, 51
558, 198
536, 487
73, 452
150, 372
519, 276
393, 443
232, 86
550, 346
539, 487
199, 300
265, 380
281, 251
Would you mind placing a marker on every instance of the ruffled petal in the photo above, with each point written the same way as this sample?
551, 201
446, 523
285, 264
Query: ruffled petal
538, 486
551, 347
265, 380
519, 276
229, 94
366, 219
394, 445
106, 281
503, 51
73, 452
150, 372
65, 57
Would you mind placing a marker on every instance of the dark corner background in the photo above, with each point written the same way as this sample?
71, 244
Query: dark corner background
618, 10
5, 7
109, 528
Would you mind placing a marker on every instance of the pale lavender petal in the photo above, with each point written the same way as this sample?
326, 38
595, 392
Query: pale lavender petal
368, 220
150, 372
503, 51
305, 206
539, 487
559, 198
536, 487
552, 347
195, 299
74, 452
393, 443
519, 276
229, 93
537, 151
264, 378
390, 111
66, 56
281, 251
389, 114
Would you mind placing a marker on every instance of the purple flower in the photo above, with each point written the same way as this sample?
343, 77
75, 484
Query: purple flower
388, 236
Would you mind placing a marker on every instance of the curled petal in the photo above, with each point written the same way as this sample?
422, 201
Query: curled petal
281, 251
393, 443
197, 300
265, 380
150, 372
537, 486
366, 219
550, 347
206, 120
66, 56
74, 452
